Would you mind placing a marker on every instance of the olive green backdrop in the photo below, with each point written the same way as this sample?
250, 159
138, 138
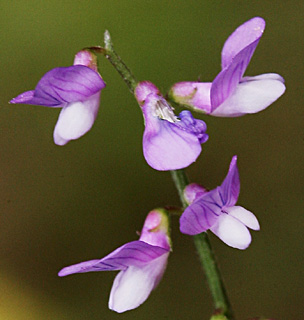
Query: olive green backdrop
63, 205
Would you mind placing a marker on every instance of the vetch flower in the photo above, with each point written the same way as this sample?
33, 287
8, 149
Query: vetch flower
231, 94
141, 263
216, 210
169, 142
75, 89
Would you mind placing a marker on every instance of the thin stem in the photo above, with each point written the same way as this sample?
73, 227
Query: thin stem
206, 256
118, 64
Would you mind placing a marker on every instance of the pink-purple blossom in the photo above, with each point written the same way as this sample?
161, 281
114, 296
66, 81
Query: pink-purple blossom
231, 94
141, 264
169, 142
216, 211
75, 89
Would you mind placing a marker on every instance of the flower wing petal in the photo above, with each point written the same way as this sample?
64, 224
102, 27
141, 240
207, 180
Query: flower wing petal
135, 253
232, 232
252, 95
230, 188
202, 214
132, 287
244, 35
76, 119
245, 216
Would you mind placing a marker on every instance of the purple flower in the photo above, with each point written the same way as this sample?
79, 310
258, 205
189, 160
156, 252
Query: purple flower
216, 210
75, 89
169, 142
231, 94
141, 263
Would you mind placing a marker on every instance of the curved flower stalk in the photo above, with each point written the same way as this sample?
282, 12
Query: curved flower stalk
141, 263
216, 210
75, 89
231, 94
169, 142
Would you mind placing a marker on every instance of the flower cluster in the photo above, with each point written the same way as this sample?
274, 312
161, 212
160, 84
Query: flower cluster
230, 94
141, 263
170, 142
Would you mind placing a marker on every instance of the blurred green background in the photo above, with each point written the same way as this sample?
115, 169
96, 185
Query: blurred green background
63, 205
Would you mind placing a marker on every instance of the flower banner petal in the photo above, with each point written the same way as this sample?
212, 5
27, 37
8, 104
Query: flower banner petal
245, 34
230, 188
228, 79
168, 144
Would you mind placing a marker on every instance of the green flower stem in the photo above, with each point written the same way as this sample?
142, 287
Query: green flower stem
206, 256
118, 64
180, 179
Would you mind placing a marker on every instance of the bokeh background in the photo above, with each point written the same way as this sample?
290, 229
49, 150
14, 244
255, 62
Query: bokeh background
63, 205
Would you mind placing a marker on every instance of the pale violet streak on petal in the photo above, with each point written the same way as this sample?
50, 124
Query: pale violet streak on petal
69, 84
135, 253
81, 267
23, 97
168, 147
245, 34
202, 214
252, 95
29, 98
132, 287
230, 188
232, 232
228, 79
76, 119
245, 216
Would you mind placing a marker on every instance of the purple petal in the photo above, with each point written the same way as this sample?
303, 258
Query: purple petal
195, 95
143, 89
64, 85
23, 97
135, 253
193, 191
243, 36
169, 144
230, 188
253, 94
202, 214
133, 286
76, 119
156, 229
192, 125
232, 232
244, 216
228, 79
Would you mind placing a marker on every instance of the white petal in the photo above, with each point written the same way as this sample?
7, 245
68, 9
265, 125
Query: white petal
232, 232
76, 119
132, 287
252, 95
245, 216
